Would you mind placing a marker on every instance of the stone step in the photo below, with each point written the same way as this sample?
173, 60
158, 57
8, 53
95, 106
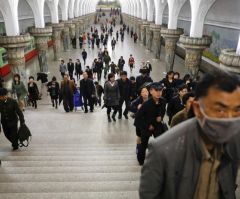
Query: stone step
58, 187
73, 195
70, 177
68, 158
69, 163
69, 153
69, 169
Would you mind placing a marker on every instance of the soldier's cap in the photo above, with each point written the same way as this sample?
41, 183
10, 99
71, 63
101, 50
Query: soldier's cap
3, 92
156, 86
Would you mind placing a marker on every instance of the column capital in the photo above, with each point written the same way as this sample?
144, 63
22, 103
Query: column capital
57, 26
41, 32
195, 42
230, 61
15, 41
154, 27
171, 33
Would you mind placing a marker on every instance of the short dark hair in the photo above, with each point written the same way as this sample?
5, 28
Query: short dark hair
54, 78
187, 96
132, 78
31, 77
3, 91
181, 87
123, 73
110, 75
220, 80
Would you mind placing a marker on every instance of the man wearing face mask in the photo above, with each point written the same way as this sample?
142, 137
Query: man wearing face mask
198, 159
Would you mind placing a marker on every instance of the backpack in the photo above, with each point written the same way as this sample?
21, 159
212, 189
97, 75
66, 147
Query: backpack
24, 135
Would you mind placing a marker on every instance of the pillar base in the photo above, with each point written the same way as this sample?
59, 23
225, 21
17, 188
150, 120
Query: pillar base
57, 31
171, 37
15, 47
230, 61
156, 40
42, 36
194, 49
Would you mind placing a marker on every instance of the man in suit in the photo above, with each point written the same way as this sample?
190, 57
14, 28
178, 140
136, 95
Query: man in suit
70, 67
67, 90
10, 114
88, 92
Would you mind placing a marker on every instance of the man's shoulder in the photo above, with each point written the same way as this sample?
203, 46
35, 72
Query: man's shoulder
177, 137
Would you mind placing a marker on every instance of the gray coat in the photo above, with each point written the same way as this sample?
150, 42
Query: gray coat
172, 165
111, 94
63, 68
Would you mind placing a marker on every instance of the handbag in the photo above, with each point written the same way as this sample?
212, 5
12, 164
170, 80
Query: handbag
24, 135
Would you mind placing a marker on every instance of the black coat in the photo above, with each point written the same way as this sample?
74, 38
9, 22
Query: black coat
33, 91
174, 106
140, 80
87, 88
124, 89
53, 89
84, 55
70, 67
148, 113
78, 67
10, 113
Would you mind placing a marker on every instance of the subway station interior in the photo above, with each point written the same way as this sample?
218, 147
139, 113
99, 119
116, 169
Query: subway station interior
83, 156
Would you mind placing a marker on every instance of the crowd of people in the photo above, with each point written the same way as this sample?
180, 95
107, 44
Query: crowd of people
212, 102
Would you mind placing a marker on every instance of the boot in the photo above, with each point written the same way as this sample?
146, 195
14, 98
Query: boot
113, 117
109, 118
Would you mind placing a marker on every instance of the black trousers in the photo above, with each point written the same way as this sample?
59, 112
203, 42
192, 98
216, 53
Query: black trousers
54, 102
88, 101
68, 103
11, 133
99, 75
127, 104
145, 135
109, 109
71, 74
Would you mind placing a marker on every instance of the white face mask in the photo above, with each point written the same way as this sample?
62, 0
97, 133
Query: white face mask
219, 130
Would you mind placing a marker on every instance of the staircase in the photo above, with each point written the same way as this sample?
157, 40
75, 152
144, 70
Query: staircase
70, 171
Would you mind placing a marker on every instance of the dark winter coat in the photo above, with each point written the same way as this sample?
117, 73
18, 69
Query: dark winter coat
33, 91
111, 94
87, 88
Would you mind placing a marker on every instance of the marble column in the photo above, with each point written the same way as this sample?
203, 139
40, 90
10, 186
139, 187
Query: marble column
230, 61
149, 36
57, 32
81, 25
15, 47
77, 32
42, 36
143, 32
171, 37
139, 30
71, 27
194, 47
156, 41
66, 37
136, 24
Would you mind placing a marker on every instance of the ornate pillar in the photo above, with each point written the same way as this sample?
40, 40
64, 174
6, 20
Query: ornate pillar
15, 47
139, 29
149, 36
42, 36
57, 32
156, 41
171, 37
143, 32
136, 24
194, 48
72, 31
230, 61
77, 31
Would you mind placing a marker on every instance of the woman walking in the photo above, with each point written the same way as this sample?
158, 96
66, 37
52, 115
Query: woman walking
19, 89
33, 92
53, 89
111, 96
